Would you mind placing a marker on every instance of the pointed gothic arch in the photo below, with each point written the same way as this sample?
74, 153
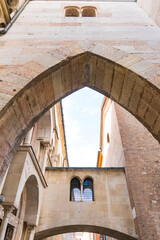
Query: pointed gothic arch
112, 78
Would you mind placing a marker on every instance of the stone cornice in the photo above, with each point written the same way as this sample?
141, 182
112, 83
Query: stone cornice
29, 149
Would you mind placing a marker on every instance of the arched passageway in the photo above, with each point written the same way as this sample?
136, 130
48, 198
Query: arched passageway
133, 92
83, 228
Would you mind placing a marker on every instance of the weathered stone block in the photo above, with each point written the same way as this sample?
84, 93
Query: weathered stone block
108, 73
48, 89
58, 84
136, 95
117, 84
127, 88
100, 73
66, 75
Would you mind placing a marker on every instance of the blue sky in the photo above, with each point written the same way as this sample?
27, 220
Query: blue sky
82, 126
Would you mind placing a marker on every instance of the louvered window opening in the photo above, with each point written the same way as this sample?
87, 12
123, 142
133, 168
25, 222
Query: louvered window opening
75, 190
88, 195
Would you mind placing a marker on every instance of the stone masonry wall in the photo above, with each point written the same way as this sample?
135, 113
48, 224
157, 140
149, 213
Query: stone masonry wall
152, 8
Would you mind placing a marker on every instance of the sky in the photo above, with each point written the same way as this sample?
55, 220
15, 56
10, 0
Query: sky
82, 126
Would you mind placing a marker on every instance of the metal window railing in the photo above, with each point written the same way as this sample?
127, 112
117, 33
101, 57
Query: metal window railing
75, 190
88, 190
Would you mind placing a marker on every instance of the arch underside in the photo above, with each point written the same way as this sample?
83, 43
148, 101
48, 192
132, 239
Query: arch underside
32, 200
83, 228
130, 90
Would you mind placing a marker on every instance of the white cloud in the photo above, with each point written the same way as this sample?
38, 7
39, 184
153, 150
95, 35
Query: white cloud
67, 103
73, 131
80, 116
90, 111
83, 154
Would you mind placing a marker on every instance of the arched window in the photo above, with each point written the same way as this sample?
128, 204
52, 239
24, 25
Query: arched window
88, 12
88, 195
71, 12
75, 190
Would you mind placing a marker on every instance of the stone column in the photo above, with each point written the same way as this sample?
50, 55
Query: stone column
54, 160
3, 228
81, 191
65, 163
44, 160
28, 137
80, 13
30, 232
19, 230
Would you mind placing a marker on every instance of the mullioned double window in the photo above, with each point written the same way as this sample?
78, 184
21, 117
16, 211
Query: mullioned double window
81, 190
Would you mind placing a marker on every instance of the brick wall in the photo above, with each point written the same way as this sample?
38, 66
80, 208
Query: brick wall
142, 169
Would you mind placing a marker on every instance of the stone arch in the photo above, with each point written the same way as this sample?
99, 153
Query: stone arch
88, 185
89, 11
88, 176
75, 189
76, 176
22, 179
71, 11
28, 207
115, 79
83, 228
32, 201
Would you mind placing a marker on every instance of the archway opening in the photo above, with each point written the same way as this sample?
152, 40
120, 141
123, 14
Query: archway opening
96, 232
82, 111
81, 236
107, 77
28, 209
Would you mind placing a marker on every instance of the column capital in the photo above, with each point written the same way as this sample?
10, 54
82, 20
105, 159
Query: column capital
8, 208
46, 145
30, 228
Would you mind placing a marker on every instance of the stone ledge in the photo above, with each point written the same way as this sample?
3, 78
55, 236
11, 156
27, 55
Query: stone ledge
28, 148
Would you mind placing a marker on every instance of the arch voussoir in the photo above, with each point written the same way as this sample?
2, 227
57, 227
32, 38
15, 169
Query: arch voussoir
84, 69
145, 100
74, 73
109, 71
136, 93
117, 82
127, 88
99, 73
59, 87
66, 77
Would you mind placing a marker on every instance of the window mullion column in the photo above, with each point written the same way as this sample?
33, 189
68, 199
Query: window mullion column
81, 192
